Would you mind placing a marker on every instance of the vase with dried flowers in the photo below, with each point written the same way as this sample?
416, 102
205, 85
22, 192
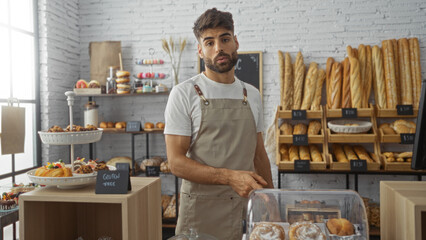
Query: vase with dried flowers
174, 50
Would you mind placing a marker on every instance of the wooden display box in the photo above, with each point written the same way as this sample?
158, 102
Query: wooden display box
288, 165
392, 113
402, 210
52, 213
389, 138
395, 166
369, 137
311, 138
310, 114
361, 112
345, 166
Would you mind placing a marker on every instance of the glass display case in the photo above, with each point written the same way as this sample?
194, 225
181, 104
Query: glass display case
306, 214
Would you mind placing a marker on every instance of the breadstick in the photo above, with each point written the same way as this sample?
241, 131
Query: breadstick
299, 75
336, 86
349, 152
362, 60
304, 153
309, 88
355, 83
391, 93
346, 86
318, 90
378, 78
339, 154
282, 75
294, 153
416, 75
405, 72
368, 75
328, 68
288, 83
396, 65
315, 153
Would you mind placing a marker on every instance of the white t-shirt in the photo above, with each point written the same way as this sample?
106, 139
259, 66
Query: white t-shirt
183, 110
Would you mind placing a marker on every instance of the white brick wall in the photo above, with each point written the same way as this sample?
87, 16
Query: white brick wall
319, 29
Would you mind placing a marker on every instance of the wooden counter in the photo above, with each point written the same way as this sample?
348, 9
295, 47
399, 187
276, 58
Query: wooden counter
52, 213
402, 210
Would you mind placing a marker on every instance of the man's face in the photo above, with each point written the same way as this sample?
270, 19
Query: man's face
218, 47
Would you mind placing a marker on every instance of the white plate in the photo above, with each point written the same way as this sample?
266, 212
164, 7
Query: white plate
67, 138
76, 181
339, 126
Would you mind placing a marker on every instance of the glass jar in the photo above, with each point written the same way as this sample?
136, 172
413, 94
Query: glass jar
91, 114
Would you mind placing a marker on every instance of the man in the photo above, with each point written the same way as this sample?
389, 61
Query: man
214, 136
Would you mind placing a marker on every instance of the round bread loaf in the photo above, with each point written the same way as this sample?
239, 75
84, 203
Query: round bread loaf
305, 231
340, 227
267, 231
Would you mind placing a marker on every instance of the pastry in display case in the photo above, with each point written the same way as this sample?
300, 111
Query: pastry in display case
306, 214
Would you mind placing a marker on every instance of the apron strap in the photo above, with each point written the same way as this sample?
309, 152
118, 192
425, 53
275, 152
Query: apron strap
206, 102
244, 92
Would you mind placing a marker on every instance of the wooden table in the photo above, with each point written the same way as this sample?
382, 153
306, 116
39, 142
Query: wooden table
52, 213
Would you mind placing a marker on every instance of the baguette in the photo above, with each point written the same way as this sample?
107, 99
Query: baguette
378, 78
396, 65
288, 84
346, 87
300, 128
391, 93
416, 75
339, 154
368, 76
405, 72
349, 152
309, 88
336, 86
318, 90
304, 153
404, 155
284, 152
362, 153
355, 53
294, 153
299, 75
315, 153
286, 128
328, 68
282, 75
362, 60
355, 83
349, 51
314, 127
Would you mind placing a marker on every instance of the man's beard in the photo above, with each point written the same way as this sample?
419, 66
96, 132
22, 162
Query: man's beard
222, 67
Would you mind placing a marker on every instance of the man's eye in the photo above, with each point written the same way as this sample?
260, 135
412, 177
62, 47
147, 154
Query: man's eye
209, 43
225, 40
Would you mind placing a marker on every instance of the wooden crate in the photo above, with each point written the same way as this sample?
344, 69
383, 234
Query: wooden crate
392, 113
389, 138
395, 166
311, 138
310, 114
361, 112
345, 166
288, 165
369, 137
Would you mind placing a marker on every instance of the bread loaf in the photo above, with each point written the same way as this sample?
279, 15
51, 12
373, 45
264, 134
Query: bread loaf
165, 200
284, 152
396, 65
305, 230
390, 80
267, 230
387, 130
378, 78
318, 90
362, 60
362, 153
294, 153
336, 85
299, 76
355, 53
300, 128
304, 153
328, 71
339, 154
287, 103
368, 76
286, 128
340, 227
282, 75
349, 152
314, 127
170, 211
416, 75
405, 72
350, 51
355, 83
346, 86
315, 153
309, 88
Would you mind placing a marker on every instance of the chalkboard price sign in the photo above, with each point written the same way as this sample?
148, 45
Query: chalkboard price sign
298, 114
407, 138
404, 109
349, 113
152, 171
133, 126
302, 165
112, 182
300, 139
248, 69
358, 165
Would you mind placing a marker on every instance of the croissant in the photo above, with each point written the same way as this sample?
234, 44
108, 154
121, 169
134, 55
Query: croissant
53, 172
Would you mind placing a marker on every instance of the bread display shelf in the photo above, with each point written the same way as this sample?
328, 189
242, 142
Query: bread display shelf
369, 137
310, 114
114, 130
389, 138
68, 138
392, 113
154, 129
361, 112
396, 166
288, 165
311, 138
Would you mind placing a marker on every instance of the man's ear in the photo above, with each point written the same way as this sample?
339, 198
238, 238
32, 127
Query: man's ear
200, 51
236, 41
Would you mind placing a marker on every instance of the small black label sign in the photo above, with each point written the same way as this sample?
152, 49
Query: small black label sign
112, 182
349, 113
300, 139
404, 109
407, 138
152, 171
133, 126
302, 166
358, 165
298, 114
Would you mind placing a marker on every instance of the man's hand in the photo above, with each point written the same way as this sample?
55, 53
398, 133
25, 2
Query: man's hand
243, 182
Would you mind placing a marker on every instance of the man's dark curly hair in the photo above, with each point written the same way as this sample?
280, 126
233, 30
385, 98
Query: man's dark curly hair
213, 18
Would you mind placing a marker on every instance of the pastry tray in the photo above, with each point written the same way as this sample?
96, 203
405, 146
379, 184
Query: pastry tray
67, 138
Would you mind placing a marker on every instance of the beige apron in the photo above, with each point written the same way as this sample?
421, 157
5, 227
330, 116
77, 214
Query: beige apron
226, 139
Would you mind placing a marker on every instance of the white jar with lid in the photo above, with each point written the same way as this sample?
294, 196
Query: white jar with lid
91, 114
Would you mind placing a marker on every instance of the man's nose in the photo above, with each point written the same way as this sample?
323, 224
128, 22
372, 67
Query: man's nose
219, 47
